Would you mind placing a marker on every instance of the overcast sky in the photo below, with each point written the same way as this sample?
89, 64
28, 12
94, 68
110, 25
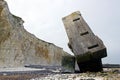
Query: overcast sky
43, 19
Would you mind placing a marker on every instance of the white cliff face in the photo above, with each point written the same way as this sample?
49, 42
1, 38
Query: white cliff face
18, 47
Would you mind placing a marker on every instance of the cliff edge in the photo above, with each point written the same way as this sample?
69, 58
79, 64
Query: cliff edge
19, 47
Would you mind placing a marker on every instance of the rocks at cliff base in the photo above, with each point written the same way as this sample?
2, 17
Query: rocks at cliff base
19, 48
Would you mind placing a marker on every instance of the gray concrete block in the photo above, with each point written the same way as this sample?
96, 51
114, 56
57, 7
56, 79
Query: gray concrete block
68, 64
82, 41
85, 45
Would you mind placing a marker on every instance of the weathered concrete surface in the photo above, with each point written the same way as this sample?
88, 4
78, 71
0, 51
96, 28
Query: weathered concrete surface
86, 46
18, 47
68, 63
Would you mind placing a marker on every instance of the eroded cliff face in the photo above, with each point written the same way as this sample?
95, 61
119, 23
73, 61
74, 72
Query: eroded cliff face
18, 47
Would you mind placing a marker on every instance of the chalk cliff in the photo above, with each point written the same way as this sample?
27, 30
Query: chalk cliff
19, 47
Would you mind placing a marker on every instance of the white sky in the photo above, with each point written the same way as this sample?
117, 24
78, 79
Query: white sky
43, 19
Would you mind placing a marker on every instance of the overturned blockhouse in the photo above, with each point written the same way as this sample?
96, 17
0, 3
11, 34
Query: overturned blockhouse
86, 46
